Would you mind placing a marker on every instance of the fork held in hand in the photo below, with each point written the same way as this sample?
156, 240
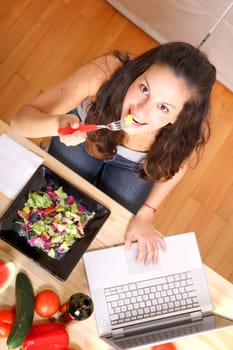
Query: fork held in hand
114, 126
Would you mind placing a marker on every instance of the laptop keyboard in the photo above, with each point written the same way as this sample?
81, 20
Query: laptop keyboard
150, 298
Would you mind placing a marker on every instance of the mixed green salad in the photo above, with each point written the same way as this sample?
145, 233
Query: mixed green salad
52, 221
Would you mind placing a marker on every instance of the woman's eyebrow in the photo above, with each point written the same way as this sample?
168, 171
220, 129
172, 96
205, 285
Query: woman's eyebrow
169, 104
166, 103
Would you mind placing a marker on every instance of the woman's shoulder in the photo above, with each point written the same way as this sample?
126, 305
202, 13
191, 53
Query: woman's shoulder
108, 63
93, 73
82, 83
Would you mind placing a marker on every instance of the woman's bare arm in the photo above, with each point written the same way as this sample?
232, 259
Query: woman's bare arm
141, 227
43, 115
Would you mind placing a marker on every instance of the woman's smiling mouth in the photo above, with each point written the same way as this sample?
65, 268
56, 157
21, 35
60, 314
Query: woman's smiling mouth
130, 120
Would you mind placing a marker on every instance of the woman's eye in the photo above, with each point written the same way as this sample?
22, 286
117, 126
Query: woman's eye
163, 108
144, 89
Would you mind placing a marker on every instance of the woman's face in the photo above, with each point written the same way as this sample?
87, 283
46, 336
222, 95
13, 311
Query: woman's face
154, 99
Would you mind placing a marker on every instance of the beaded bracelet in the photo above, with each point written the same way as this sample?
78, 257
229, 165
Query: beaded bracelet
148, 206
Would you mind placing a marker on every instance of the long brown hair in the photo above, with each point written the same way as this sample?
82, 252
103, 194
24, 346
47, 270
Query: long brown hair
174, 142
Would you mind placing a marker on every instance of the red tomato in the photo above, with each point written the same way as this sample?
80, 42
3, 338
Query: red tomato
6, 321
7, 316
47, 303
5, 329
167, 346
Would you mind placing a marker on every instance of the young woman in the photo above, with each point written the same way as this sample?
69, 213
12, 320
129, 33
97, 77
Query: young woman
166, 90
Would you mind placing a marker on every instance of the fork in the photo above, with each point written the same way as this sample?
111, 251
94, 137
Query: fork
113, 126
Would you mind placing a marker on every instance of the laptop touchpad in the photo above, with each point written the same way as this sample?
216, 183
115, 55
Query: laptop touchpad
134, 266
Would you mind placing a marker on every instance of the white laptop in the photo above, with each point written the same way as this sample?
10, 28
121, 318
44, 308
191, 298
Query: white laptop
137, 306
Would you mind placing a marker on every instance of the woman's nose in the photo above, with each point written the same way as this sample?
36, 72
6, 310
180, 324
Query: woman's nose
143, 112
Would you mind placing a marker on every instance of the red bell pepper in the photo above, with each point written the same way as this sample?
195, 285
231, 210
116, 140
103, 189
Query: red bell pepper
48, 210
6, 322
49, 336
166, 346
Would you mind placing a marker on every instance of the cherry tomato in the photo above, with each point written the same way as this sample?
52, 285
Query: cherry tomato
167, 346
47, 303
63, 308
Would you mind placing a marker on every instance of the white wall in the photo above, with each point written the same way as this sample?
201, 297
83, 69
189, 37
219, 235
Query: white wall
187, 20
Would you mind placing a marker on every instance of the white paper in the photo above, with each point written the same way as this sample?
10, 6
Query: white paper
17, 166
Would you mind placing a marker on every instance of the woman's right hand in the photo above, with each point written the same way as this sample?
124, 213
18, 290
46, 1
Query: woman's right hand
141, 229
76, 137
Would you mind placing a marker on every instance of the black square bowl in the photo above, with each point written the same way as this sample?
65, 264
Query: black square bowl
62, 266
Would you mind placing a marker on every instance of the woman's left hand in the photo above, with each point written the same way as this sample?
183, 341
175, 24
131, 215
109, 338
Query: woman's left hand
149, 239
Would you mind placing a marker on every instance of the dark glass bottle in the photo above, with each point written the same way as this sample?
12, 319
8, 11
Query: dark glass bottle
79, 307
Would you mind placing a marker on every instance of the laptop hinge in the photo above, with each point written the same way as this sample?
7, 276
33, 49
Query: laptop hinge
118, 332
158, 324
196, 316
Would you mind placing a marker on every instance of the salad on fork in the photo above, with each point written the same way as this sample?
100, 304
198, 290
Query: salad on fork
113, 126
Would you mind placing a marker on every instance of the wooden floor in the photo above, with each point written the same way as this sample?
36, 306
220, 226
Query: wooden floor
41, 41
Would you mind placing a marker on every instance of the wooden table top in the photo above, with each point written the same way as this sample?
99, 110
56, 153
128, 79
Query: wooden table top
83, 335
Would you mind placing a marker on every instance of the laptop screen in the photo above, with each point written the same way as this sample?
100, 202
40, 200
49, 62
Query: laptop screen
164, 334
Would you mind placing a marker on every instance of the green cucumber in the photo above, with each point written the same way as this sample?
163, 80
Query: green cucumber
24, 311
